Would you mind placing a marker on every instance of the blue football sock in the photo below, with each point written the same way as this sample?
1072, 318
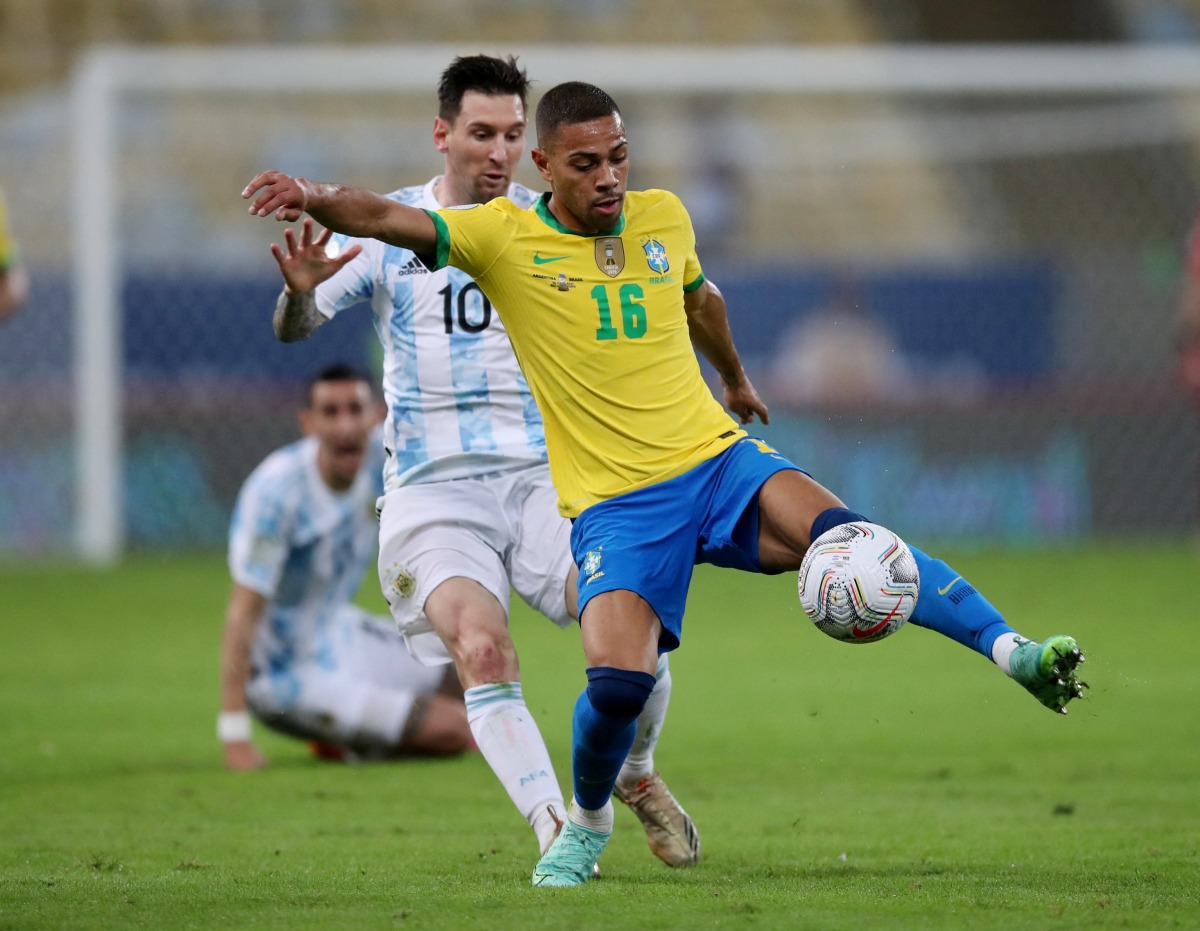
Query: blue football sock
830, 518
949, 604
601, 739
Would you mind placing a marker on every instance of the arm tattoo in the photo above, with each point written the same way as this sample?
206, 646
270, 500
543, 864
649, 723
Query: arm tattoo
296, 316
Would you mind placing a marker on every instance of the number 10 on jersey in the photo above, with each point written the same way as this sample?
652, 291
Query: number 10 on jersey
464, 322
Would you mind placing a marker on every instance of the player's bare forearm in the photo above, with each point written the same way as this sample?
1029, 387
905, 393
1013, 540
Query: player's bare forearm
241, 621
358, 212
343, 209
296, 316
708, 325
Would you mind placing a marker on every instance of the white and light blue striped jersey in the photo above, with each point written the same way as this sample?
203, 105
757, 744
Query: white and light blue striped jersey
306, 548
457, 402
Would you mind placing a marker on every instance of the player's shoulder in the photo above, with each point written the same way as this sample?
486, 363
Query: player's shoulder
503, 205
521, 196
412, 195
654, 199
656, 213
281, 475
514, 202
499, 213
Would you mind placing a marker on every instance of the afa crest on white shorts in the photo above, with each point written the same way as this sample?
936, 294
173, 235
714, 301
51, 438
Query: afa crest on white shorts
400, 581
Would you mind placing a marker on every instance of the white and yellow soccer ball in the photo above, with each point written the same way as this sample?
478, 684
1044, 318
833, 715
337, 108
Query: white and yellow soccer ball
859, 582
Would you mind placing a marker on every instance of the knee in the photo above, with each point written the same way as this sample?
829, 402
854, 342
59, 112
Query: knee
474, 627
485, 653
621, 693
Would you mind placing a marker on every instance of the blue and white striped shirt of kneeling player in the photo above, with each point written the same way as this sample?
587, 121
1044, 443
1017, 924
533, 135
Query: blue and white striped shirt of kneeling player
457, 403
305, 548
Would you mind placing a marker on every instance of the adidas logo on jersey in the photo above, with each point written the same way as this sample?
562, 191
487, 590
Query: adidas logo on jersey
412, 267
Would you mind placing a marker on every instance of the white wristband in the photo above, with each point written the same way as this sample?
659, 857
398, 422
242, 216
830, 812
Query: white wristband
233, 726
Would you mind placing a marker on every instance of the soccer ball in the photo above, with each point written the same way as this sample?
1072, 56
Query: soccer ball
859, 582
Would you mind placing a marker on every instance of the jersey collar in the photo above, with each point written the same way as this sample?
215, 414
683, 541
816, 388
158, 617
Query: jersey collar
543, 210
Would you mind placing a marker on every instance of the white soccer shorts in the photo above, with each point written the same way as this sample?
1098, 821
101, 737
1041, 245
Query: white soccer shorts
360, 694
502, 531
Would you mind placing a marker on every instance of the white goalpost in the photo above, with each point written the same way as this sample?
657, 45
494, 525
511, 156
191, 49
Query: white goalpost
1128, 85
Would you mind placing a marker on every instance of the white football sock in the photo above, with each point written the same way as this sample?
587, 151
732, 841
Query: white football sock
640, 762
546, 822
1002, 651
598, 819
510, 741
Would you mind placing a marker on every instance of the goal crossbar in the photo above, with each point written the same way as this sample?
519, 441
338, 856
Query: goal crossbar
105, 73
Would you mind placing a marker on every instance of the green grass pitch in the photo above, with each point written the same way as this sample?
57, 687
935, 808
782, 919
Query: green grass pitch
904, 784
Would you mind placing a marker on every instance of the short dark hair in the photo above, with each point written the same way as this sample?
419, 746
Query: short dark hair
481, 73
570, 103
337, 371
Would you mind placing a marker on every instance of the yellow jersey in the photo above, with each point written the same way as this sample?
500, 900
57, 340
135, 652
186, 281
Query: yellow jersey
8, 247
599, 328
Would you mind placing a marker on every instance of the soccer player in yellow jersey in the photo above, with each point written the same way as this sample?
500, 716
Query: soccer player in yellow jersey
604, 300
469, 512
14, 285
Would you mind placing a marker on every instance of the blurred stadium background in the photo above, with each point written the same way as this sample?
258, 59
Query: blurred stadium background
953, 272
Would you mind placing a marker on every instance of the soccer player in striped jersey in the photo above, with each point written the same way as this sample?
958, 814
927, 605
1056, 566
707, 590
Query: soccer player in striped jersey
297, 651
605, 302
468, 510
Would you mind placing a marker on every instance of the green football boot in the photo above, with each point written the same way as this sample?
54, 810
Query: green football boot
571, 859
1047, 670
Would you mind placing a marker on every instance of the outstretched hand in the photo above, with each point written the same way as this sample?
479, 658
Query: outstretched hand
743, 400
280, 193
306, 265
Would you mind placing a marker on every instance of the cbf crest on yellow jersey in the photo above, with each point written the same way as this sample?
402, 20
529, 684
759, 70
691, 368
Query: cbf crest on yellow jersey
599, 327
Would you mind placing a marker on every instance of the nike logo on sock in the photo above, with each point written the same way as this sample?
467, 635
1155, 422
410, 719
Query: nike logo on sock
950, 585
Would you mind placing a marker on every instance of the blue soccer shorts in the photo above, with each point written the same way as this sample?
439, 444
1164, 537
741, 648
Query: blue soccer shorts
647, 541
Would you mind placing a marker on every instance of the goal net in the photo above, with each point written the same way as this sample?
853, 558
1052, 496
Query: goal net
952, 273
